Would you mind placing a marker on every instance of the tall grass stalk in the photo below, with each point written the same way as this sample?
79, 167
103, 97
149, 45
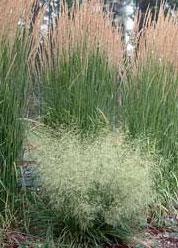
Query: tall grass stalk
149, 95
79, 67
81, 91
149, 108
14, 49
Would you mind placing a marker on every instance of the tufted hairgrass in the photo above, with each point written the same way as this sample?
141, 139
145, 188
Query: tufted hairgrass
100, 190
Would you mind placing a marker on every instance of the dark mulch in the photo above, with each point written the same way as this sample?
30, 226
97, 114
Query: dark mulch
15, 239
164, 238
154, 238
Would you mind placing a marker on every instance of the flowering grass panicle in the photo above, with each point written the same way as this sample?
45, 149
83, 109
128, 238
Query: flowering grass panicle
149, 93
78, 68
94, 184
159, 37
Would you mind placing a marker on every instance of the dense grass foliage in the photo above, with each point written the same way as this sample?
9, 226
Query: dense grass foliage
149, 109
98, 189
14, 50
79, 67
80, 91
13, 91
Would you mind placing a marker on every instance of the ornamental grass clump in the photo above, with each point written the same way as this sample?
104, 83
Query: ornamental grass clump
149, 94
149, 103
78, 68
14, 83
99, 189
149, 109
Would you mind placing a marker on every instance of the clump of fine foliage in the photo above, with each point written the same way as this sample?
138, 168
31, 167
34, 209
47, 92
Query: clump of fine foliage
99, 189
